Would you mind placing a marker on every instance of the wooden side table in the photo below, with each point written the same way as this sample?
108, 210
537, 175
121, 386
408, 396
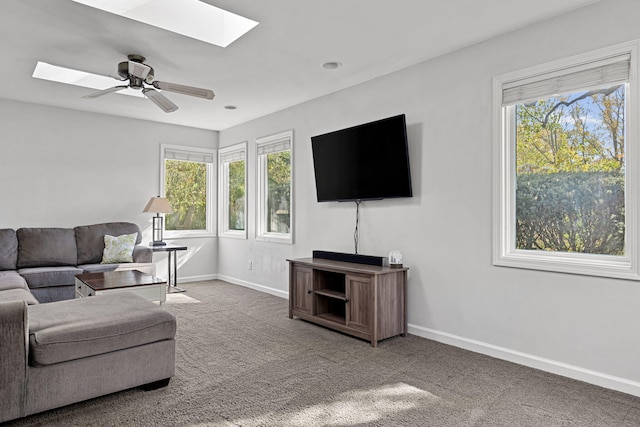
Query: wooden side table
172, 262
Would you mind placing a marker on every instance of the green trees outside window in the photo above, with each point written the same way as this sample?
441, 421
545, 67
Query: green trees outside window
236, 195
570, 173
186, 189
273, 195
279, 192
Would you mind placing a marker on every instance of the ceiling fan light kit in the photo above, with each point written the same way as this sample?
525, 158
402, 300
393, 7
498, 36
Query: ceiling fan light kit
135, 67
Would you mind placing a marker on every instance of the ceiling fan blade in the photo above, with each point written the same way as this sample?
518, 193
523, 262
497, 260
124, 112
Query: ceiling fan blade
138, 69
160, 100
104, 92
185, 90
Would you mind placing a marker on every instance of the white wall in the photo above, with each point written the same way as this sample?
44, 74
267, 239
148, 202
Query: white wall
62, 168
580, 326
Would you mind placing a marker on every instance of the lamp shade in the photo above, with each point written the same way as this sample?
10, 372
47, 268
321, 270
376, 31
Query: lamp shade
158, 205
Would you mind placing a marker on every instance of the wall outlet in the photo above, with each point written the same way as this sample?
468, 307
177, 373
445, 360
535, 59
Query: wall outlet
249, 265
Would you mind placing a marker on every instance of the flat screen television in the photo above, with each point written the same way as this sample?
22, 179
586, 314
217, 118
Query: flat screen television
365, 162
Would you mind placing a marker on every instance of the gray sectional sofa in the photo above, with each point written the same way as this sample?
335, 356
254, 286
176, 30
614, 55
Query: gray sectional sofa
65, 352
69, 350
45, 261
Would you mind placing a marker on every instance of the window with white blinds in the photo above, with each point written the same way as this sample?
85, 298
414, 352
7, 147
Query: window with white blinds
187, 180
188, 155
232, 194
592, 75
279, 143
235, 155
275, 195
566, 165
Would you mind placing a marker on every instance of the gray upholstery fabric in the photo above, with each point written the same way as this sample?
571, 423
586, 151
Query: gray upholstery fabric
12, 280
90, 239
46, 258
39, 277
8, 249
54, 293
13, 354
46, 247
68, 330
18, 295
83, 348
142, 254
61, 384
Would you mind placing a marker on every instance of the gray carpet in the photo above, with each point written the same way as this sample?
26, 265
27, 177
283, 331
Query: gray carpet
242, 362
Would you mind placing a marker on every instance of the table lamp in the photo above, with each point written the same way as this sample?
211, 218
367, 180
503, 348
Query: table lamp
158, 205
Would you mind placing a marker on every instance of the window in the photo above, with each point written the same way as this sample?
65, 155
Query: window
566, 173
232, 197
275, 202
187, 181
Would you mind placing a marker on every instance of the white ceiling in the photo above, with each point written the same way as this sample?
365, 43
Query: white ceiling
274, 66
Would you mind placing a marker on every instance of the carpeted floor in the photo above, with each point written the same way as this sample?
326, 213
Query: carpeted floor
242, 362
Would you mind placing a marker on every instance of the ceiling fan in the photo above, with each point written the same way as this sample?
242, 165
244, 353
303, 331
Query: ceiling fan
141, 77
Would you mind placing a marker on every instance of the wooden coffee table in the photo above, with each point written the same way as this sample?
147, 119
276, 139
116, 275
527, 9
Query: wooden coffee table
145, 285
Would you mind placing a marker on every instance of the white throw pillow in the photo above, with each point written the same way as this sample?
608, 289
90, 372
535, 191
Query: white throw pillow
118, 249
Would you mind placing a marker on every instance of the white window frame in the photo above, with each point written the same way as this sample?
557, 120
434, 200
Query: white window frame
504, 251
196, 153
261, 224
235, 152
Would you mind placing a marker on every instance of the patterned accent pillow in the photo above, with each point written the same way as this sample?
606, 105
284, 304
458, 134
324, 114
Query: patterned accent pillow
118, 249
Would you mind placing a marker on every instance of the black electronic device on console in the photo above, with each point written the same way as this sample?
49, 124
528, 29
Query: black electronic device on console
353, 258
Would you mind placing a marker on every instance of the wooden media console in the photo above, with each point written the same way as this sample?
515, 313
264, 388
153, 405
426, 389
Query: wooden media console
364, 301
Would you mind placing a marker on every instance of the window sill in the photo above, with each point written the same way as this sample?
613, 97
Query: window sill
275, 238
188, 235
241, 235
582, 264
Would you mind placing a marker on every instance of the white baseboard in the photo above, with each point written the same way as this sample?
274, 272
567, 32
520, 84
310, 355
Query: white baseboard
548, 365
255, 286
197, 278
559, 368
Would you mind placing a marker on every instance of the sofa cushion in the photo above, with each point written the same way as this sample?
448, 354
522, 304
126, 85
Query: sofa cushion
40, 277
118, 249
90, 239
18, 295
67, 330
55, 293
12, 280
8, 249
46, 247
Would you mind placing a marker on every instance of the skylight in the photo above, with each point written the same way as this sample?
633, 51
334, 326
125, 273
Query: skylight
191, 18
70, 76
73, 77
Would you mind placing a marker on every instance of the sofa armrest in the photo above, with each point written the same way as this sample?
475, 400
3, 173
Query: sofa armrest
13, 354
142, 254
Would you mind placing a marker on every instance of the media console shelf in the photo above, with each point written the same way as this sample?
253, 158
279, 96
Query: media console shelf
364, 301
